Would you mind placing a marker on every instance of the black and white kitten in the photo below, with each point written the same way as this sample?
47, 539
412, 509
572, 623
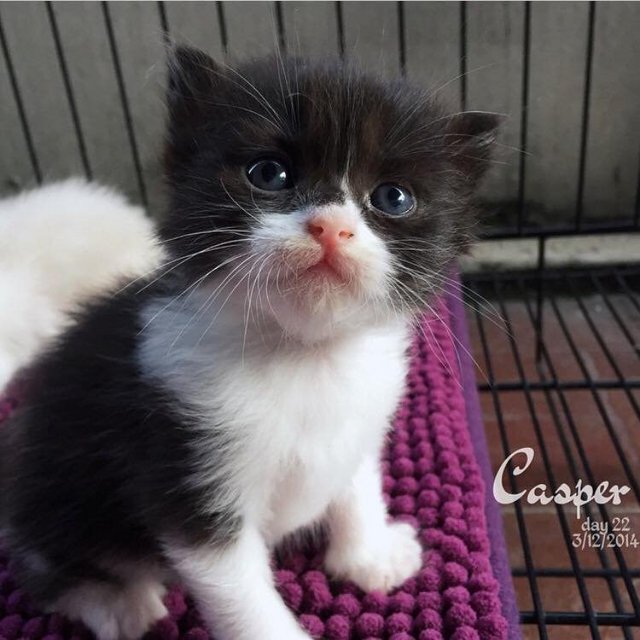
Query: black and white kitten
185, 426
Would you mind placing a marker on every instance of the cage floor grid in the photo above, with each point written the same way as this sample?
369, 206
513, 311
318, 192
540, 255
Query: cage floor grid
559, 372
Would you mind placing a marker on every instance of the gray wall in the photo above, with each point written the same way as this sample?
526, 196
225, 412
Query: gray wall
81, 85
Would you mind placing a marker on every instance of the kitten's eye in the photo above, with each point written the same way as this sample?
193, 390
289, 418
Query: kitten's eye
392, 199
269, 175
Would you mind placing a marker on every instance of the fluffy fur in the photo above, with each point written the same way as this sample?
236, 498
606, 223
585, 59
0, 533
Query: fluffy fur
187, 425
59, 245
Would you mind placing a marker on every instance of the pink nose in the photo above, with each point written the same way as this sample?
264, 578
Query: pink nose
330, 232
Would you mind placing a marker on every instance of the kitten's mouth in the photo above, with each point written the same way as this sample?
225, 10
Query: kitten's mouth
326, 268
331, 269
315, 271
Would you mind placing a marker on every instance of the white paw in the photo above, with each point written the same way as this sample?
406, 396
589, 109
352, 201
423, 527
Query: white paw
140, 610
380, 563
113, 614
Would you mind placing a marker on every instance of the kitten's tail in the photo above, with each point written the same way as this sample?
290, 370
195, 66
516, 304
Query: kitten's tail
59, 245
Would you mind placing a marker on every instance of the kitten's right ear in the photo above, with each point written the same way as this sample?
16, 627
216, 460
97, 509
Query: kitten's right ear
471, 136
193, 75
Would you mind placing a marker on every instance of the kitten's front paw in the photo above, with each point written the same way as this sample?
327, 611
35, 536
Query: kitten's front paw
378, 564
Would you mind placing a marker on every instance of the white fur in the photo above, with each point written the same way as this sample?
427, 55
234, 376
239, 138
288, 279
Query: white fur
283, 247
115, 613
234, 589
305, 371
363, 548
59, 245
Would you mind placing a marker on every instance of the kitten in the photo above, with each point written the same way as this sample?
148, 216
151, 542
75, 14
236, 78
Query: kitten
183, 427
59, 245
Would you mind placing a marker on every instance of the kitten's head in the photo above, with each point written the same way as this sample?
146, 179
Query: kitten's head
331, 197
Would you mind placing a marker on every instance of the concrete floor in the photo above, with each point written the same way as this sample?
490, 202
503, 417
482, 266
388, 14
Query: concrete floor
496, 255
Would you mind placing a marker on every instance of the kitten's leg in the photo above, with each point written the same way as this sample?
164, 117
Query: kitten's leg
363, 546
234, 591
114, 612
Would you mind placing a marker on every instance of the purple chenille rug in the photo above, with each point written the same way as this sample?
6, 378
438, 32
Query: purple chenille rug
436, 474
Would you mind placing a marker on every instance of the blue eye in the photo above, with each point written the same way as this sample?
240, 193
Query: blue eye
392, 199
269, 175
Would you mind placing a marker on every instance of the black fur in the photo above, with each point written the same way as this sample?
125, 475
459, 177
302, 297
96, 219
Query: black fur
97, 463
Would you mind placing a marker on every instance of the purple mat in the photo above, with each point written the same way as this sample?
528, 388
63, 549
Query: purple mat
436, 476
499, 558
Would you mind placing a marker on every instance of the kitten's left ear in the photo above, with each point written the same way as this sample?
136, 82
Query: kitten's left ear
193, 75
193, 78
470, 138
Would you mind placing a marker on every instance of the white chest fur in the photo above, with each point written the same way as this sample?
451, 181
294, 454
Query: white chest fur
302, 417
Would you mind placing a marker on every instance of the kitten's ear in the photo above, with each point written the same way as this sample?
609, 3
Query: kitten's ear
194, 79
193, 75
470, 138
